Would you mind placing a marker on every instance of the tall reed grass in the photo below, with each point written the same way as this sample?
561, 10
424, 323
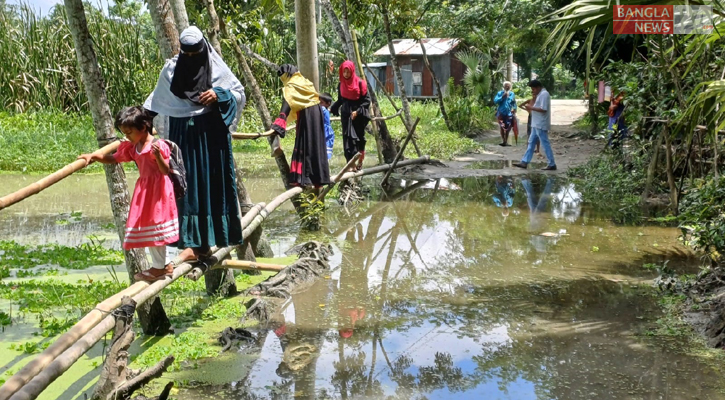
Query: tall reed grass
39, 70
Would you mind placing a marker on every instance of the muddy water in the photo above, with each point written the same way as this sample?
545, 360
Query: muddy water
491, 287
451, 294
78, 206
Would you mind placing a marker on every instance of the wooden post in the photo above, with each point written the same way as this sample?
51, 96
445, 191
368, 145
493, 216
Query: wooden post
400, 153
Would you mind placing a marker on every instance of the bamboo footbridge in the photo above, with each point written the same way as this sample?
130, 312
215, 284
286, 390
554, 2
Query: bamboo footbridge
49, 365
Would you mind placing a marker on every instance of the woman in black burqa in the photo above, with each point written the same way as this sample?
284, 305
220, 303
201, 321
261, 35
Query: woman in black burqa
309, 165
353, 105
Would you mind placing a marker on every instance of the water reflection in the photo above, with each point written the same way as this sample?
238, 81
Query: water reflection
436, 296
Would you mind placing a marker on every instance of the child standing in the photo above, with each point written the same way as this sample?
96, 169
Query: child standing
325, 102
153, 218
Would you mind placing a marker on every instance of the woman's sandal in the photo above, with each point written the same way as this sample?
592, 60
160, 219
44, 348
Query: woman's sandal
150, 275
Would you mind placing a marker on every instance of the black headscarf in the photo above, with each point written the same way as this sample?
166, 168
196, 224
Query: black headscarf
286, 69
192, 75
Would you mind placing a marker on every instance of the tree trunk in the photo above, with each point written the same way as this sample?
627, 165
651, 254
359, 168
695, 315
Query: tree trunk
166, 34
593, 113
346, 29
394, 62
670, 172
103, 125
510, 66
180, 16
260, 104
306, 30
383, 138
116, 381
213, 31
438, 86
651, 169
337, 26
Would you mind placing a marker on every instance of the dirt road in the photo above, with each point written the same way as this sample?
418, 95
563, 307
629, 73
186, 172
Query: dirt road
569, 150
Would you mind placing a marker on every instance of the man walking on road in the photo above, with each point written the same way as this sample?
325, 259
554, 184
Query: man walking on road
540, 126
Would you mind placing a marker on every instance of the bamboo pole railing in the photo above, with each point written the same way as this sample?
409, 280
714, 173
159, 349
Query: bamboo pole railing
255, 135
37, 375
249, 265
55, 177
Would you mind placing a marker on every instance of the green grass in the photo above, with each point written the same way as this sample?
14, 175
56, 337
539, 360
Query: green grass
48, 140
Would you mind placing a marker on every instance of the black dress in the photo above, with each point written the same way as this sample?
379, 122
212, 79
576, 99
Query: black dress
353, 131
309, 165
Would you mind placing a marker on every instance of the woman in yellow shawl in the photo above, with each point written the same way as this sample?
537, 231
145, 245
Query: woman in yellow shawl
309, 158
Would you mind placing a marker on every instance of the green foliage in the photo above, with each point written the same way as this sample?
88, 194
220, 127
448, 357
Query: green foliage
29, 347
466, 114
702, 217
187, 348
39, 67
613, 185
312, 211
5, 320
53, 326
15, 255
44, 141
477, 78
41, 297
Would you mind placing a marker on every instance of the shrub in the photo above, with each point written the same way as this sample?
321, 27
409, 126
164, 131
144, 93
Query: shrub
702, 217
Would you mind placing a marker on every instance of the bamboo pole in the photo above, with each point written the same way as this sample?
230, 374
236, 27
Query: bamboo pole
271, 132
400, 153
61, 364
66, 340
339, 175
55, 177
249, 265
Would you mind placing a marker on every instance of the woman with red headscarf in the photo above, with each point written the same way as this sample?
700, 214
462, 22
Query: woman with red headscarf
353, 103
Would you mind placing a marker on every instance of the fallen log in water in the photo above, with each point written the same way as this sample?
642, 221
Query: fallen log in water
50, 180
312, 263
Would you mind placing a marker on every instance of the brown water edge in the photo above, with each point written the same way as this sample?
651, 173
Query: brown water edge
446, 295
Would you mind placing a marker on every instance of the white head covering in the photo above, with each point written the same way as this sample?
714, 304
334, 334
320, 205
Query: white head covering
162, 101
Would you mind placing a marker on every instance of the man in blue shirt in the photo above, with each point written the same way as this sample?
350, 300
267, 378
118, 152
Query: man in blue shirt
505, 112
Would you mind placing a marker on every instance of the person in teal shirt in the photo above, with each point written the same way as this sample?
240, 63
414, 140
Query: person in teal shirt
505, 111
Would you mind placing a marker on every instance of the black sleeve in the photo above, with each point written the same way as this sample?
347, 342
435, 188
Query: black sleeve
364, 102
280, 124
335, 108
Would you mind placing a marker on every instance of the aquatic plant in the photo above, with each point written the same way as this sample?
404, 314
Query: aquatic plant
17, 256
187, 348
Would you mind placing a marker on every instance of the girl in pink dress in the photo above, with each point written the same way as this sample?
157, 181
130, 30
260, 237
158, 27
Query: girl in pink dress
152, 219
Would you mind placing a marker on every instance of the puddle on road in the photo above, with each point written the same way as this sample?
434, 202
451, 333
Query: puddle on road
508, 288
